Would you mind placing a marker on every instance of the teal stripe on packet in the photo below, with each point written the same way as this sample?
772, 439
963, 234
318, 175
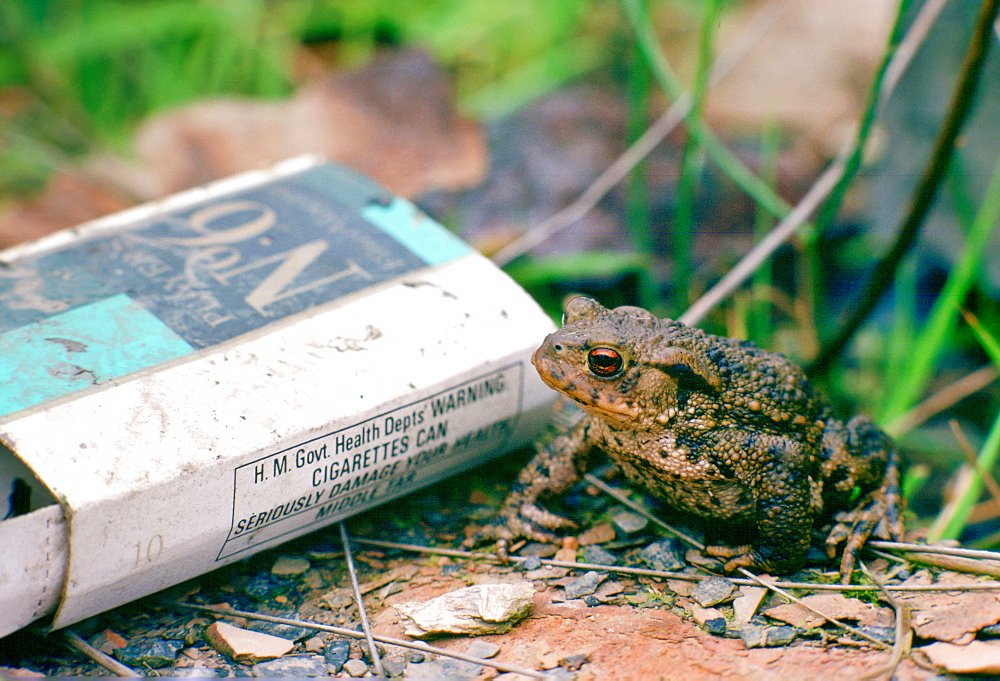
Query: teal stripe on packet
408, 225
82, 347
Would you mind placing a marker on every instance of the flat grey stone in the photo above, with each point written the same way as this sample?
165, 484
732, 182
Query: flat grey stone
664, 554
356, 668
294, 665
713, 591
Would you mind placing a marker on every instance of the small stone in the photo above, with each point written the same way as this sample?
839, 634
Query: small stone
781, 636
336, 653
885, 634
290, 566
289, 631
479, 609
570, 543
301, 666
338, 598
108, 641
531, 563
314, 644
356, 668
394, 665
482, 649
585, 585
664, 554
716, 626
573, 662
389, 589
549, 660
538, 549
566, 555
599, 556
424, 670
451, 668
628, 523
702, 615
156, 653
745, 605
415, 656
242, 645
601, 533
263, 587
756, 636
20, 672
713, 591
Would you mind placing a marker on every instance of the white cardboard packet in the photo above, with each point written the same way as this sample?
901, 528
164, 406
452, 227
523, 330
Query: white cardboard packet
194, 380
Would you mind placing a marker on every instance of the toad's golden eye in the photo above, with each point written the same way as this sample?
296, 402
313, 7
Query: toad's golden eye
605, 362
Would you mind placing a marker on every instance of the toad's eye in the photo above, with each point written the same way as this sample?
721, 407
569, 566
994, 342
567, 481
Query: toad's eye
605, 362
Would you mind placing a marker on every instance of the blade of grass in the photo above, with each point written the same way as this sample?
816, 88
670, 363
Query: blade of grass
944, 314
925, 192
951, 522
692, 161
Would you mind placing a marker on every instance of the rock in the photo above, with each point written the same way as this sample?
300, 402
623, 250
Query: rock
597, 555
394, 665
538, 549
601, 533
574, 662
338, 598
664, 554
627, 522
108, 641
482, 649
565, 555
337, 653
246, 646
289, 631
716, 626
314, 644
356, 668
479, 609
712, 591
263, 587
290, 566
745, 605
585, 585
531, 563
152, 652
756, 636
295, 665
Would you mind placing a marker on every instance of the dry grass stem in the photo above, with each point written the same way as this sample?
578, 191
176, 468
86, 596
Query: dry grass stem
76, 642
941, 400
359, 599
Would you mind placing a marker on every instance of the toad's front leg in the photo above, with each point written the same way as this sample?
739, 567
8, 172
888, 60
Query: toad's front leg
776, 472
557, 465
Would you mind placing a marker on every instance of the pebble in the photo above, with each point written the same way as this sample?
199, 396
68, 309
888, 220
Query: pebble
664, 554
295, 665
601, 533
356, 668
566, 555
196, 672
152, 652
756, 636
627, 522
314, 644
716, 626
394, 665
599, 556
246, 646
482, 649
574, 662
712, 591
263, 587
289, 631
290, 566
531, 563
538, 549
585, 585
336, 653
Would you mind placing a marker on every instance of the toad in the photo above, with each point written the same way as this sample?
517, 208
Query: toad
715, 427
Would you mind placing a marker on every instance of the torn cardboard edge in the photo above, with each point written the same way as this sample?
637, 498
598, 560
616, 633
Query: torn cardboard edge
232, 445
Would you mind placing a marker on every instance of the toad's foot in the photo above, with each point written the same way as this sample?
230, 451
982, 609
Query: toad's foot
529, 521
877, 514
749, 557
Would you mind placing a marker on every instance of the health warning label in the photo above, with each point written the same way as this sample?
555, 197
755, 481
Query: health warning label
330, 477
